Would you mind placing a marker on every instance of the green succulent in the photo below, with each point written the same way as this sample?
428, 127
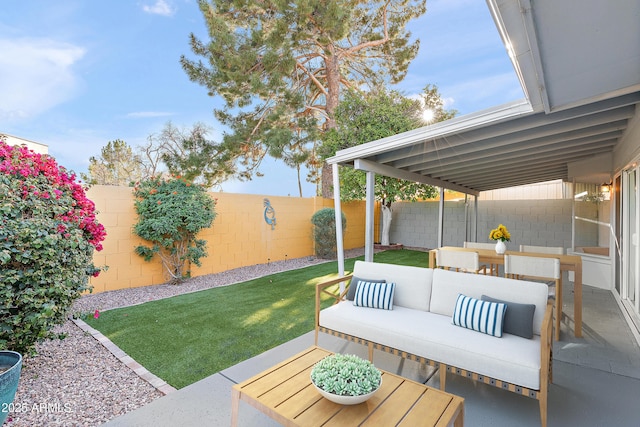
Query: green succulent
346, 375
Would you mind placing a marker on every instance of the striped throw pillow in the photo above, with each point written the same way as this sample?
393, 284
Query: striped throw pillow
482, 316
374, 295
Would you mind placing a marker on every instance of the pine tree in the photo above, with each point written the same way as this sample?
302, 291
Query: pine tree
280, 66
116, 165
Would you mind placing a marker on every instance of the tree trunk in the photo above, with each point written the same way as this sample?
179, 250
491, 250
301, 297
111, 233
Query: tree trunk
386, 225
333, 98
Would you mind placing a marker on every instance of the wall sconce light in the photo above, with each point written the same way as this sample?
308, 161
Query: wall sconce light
605, 190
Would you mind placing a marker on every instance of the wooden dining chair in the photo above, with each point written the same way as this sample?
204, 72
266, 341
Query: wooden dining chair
555, 250
539, 269
467, 262
491, 269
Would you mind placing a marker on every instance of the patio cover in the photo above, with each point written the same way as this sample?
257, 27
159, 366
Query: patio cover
579, 65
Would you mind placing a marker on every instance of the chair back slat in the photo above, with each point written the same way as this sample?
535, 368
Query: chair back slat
459, 260
520, 265
556, 250
539, 268
476, 245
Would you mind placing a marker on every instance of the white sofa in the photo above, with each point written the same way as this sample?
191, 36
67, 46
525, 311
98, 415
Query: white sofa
419, 326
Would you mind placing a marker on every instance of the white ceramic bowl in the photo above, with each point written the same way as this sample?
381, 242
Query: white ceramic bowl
346, 400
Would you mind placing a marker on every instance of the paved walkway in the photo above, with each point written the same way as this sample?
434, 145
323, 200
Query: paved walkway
596, 381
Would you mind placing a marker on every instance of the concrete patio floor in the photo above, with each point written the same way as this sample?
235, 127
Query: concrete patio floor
596, 380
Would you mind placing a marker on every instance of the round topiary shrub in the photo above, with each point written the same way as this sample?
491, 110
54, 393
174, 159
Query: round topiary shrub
324, 232
48, 234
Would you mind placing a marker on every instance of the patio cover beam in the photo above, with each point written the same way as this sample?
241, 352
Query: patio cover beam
369, 166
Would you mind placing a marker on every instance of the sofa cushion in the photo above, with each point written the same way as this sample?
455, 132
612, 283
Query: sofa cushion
354, 284
511, 358
518, 320
448, 284
374, 295
479, 315
413, 284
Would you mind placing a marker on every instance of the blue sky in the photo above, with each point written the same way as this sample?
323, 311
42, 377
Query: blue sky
76, 74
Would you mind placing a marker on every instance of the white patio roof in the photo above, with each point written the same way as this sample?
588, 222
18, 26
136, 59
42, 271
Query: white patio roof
580, 70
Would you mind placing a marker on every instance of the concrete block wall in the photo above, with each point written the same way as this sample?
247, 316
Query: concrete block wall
239, 236
530, 222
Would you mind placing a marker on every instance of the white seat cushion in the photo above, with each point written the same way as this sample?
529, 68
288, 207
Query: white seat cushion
448, 284
510, 358
413, 284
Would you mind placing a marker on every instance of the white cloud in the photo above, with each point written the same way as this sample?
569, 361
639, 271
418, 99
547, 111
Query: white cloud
488, 90
160, 7
36, 75
146, 114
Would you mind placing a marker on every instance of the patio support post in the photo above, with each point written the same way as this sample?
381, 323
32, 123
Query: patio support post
369, 206
467, 231
441, 219
338, 211
475, 217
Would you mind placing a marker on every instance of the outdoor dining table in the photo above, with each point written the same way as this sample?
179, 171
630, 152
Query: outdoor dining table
567, 263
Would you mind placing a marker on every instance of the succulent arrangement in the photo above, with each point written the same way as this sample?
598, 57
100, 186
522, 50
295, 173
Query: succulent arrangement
346, 375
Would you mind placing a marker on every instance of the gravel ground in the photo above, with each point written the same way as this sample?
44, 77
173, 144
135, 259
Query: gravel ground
78, 382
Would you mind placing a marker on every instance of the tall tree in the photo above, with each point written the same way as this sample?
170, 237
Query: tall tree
280, 67
116, 165
365, 117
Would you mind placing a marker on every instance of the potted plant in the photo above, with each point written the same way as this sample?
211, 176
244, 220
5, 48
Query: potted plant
10, 367
346, 379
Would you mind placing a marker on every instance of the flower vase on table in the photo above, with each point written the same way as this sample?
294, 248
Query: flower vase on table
500, 235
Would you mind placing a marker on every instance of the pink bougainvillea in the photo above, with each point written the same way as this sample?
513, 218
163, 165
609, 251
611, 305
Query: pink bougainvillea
20, 161
49, 232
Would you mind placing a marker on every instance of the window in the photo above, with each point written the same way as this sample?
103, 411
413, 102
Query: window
592, 218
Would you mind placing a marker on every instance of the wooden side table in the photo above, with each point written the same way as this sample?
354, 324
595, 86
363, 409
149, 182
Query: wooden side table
285, 393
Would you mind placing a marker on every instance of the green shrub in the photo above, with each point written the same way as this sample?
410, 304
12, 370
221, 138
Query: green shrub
171, 212
48, 235
324, 232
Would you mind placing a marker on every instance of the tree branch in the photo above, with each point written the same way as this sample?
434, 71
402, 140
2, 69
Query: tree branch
374, 43
312, 77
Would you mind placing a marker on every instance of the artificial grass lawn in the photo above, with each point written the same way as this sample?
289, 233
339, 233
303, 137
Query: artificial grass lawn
189, 337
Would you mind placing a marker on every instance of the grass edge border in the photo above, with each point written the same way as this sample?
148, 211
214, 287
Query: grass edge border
155, 381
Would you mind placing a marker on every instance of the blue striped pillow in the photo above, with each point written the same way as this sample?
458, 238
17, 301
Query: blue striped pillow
374, 295
482, 316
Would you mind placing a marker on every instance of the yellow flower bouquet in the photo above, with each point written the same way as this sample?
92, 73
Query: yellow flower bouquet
500, 233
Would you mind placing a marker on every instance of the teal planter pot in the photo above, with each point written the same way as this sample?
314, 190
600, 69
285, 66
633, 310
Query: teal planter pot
10, 367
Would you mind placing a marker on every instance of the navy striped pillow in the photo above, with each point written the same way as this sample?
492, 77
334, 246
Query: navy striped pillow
374, 295
482, 316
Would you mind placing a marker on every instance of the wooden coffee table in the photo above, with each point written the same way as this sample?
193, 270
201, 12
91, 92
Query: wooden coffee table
285, 393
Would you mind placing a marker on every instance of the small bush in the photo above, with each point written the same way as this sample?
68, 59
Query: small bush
171, 212
48, 234
324, 232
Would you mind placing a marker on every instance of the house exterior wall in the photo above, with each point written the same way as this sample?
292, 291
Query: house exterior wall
556, 189
629, 147
32, 145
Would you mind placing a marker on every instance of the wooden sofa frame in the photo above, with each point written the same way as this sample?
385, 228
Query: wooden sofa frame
545, 352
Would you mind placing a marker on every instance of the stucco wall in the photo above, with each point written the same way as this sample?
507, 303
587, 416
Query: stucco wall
239, 237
